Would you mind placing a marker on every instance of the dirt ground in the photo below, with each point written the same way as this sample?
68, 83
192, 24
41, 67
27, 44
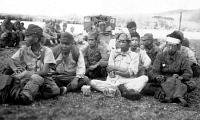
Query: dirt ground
76, 106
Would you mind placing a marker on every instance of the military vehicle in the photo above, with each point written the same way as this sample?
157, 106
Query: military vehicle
92, 22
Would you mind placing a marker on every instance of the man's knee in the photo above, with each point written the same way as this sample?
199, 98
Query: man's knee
31, 88
37, 79
144, 78
50, 89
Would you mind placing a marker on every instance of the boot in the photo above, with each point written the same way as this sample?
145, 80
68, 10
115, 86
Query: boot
129, 94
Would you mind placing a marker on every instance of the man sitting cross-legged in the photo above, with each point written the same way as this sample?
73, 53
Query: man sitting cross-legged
30, 64
122, 70
70, 64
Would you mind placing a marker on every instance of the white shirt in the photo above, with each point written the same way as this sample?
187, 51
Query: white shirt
33, 62
125, 61
69, 65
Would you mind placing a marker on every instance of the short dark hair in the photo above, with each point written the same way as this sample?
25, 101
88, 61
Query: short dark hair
131, 24
135, 34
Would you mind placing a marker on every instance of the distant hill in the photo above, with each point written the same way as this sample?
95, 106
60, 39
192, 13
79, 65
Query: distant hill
188, 15
190, 18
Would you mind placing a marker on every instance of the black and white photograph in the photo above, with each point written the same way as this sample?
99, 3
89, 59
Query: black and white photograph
99, 60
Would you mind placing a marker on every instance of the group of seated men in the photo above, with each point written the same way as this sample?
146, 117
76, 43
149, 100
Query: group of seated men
132, 68
11, 33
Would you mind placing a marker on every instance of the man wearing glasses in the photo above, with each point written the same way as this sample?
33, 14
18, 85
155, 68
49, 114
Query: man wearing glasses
122, 72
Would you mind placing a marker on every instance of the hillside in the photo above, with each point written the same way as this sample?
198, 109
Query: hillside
190, 18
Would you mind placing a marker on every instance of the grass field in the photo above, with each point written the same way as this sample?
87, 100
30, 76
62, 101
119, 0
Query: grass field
75, 106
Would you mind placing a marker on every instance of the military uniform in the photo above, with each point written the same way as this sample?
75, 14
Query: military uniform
70, 66
153, 52
167, 65
92, 57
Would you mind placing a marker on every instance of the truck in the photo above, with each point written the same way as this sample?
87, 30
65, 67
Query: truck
92, 22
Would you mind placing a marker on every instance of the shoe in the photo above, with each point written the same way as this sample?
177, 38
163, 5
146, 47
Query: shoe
183, 102
123, 90
129, 94
25, 98
63, 90
132, 95
87, 80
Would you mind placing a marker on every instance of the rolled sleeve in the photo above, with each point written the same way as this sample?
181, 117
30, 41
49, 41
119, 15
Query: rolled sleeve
18, 55
145, 59
49, 57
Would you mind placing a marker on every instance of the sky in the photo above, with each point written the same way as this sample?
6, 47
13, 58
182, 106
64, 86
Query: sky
90, 7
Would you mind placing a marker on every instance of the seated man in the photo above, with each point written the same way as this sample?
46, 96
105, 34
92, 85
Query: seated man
168, 66
95, 65
147, 41
29, 64
70, 64
144, 60
122, 71
186, 51
81, 42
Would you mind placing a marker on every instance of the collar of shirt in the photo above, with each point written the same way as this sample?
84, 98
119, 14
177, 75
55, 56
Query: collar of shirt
119, 52
31, 53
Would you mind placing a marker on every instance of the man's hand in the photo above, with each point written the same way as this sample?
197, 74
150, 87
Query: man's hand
3, 35
24, 74
180, 78
111, 68
103, 63
74, 83
160, 78
18, 70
